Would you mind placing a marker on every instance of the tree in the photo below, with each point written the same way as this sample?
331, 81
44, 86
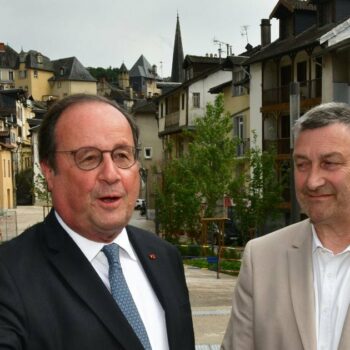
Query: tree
202, 175
212, 154
177, 202
256, 192
110, 74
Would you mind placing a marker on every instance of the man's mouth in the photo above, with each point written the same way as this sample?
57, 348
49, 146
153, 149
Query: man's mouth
109, 199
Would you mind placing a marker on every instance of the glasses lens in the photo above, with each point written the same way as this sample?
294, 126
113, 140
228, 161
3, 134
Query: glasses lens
124, 157
88, 158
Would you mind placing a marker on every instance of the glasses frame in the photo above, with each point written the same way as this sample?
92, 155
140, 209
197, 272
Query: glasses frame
134, 150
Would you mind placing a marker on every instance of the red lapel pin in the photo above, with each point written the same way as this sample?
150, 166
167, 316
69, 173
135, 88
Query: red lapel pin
152, 256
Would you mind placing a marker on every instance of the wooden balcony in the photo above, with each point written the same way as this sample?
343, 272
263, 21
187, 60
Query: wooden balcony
172, 120
282, 146
308, 90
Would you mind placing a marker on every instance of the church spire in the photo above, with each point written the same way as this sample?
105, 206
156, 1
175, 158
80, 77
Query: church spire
177, 72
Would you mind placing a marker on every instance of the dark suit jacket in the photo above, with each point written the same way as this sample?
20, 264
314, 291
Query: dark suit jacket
51, 298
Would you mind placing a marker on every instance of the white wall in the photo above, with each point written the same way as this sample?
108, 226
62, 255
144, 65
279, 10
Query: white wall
256, 102
202, 86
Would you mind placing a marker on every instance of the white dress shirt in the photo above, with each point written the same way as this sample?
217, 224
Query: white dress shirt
147, 303
332, 293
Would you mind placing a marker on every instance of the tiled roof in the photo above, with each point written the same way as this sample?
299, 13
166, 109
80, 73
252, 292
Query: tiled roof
8, 58
123, 68
292, 5
219, 88
35, 60
142, 68
201, 59
144, 106
308, 38
71, 69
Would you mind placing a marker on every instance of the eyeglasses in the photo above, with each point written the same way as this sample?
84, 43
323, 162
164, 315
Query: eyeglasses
89, 158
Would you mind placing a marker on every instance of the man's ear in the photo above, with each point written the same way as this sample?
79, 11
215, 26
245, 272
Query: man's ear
48, 173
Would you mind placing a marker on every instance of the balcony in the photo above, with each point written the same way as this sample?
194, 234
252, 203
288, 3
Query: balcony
172, 120
308, 90
282, 146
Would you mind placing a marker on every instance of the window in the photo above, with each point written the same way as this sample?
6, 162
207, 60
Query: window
238, 132
183, 101
10, 75
61, 71
22, 74
39, 58
301, 73
162, 110
237, 90
147, 152
196, 100
36, 74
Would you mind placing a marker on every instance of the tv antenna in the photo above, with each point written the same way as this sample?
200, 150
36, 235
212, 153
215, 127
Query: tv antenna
221, 43
244, 32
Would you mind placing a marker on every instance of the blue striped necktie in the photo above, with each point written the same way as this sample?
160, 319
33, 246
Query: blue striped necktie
121, 294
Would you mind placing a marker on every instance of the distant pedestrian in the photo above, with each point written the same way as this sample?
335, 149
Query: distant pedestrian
84, 279
293, 290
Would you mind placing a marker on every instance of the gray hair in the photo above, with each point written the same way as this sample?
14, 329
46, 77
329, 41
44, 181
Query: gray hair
321, 116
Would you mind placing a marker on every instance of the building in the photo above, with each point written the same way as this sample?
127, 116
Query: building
15, 150
8, 63
143, 78
297, 56
180, 106
150, 151
71, 77
33, 72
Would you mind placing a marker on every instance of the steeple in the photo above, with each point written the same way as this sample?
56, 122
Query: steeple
177, 72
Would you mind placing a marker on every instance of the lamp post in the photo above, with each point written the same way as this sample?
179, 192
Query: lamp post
294, 107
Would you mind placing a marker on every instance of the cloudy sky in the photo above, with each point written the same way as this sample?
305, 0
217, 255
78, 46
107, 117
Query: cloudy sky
103, 33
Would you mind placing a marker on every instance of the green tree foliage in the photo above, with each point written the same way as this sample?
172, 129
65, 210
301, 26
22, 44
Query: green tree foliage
257, 192
24, 187
110, 74
177, 202
212, 154
202, 175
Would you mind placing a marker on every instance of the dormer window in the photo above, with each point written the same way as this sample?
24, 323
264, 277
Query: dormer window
39, 58
61, 71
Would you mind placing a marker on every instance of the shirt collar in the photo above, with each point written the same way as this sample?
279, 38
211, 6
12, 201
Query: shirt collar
317, 244
91, 248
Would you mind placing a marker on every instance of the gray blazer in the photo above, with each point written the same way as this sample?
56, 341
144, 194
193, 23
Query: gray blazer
273, 304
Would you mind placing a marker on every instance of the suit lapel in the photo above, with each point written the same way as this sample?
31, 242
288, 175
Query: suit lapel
301, 285
72, 265
152, 259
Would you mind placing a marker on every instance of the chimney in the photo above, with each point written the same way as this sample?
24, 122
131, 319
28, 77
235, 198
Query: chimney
154, 69
2, 47
265, 28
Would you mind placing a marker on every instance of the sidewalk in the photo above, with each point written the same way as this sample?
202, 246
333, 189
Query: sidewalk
210, 297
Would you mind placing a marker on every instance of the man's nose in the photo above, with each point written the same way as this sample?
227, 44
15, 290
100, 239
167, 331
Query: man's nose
109, 171
315, 178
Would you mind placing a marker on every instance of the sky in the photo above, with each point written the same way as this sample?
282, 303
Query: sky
103, 33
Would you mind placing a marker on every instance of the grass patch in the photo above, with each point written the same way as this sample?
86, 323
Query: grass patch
226, 266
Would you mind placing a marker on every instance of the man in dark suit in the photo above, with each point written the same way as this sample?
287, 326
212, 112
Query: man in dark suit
56, 287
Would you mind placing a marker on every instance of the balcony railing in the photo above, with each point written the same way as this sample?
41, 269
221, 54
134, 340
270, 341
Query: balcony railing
172, 120
308, 89
282, 146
